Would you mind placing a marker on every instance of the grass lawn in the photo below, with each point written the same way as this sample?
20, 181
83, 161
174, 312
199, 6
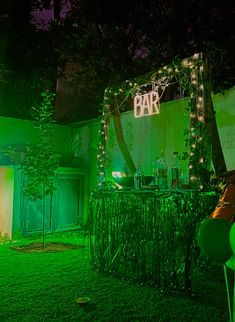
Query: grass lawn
44, 286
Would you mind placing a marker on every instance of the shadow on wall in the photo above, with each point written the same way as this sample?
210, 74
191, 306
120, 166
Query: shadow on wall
83, 147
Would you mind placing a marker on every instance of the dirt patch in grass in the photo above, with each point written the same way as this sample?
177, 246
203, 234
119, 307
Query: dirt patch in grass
51, 247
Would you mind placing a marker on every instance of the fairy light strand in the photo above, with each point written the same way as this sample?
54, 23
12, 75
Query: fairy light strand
191, 69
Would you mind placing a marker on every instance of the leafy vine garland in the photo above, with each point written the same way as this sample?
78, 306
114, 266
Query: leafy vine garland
189, 74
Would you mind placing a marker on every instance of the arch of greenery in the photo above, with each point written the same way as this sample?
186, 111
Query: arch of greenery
192, 76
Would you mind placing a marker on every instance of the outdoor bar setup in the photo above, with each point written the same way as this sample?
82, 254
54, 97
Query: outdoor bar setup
147, 208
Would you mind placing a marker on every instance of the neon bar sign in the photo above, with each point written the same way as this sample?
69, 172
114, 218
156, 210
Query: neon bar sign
146, 104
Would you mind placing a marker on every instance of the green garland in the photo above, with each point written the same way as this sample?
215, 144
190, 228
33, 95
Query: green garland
189, 75
148, 237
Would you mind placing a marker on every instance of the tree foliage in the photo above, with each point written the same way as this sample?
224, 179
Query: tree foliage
40, 161
116, 40
27, 57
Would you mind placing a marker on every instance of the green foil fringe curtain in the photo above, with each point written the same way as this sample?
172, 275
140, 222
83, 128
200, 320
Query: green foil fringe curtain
149, 237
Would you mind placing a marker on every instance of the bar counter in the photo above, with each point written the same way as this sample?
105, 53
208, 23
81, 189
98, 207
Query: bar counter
148, 236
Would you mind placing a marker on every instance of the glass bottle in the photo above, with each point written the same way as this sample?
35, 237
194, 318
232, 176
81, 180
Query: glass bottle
155, 171
176, 171
138, 178
184, 170
162, 172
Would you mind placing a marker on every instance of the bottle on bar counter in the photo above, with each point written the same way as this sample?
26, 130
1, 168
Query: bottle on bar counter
176, 171
138, 178
155, 171
162, 172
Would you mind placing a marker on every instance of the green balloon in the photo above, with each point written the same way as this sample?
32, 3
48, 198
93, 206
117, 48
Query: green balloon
231, 263
232, 238
214, 239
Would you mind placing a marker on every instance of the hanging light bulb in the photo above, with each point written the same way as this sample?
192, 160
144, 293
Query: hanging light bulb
201, 118
200, 99
195, 56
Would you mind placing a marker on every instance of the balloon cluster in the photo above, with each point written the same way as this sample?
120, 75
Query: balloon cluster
216, 235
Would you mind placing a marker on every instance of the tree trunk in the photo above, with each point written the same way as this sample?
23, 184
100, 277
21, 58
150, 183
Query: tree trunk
121, 139
43, 217
57, 9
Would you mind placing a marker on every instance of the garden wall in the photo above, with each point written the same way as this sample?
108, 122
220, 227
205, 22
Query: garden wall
66, 209
225, 116
84, 148
17, 132
147, 136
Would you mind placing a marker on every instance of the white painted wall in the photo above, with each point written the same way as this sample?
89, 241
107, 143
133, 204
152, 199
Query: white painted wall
142, 135
225, 117
17, 133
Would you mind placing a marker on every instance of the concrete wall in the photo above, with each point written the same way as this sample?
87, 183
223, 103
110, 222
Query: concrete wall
77, 145
67, 209
17, 133
225, 116
84, 148
142, 136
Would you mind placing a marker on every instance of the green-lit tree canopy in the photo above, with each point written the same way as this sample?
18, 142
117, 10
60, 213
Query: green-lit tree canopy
115, 40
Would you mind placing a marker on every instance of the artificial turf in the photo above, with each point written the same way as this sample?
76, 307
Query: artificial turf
44, 287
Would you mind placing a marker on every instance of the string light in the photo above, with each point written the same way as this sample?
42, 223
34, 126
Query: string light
197, 117
201, 118
190, 65
185, 63
200, 99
